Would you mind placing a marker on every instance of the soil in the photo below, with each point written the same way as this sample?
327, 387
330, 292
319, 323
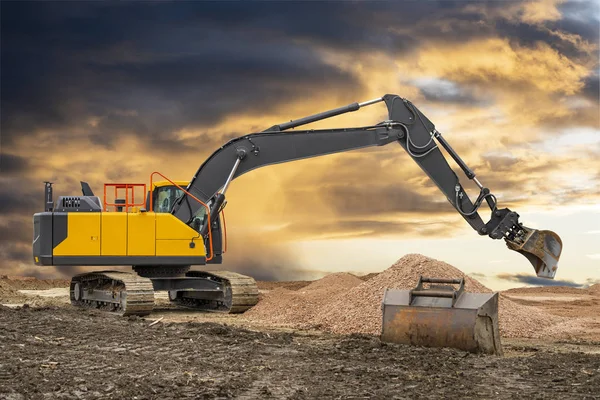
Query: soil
264, 286
551, 341
85, 354
343, 303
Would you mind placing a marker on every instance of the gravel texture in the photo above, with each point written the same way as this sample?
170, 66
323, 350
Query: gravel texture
343, 303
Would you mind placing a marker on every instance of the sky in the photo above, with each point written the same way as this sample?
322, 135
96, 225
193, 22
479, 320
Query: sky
110, 92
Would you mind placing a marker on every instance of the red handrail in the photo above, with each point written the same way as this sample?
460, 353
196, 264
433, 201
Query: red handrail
193, 197
125, 186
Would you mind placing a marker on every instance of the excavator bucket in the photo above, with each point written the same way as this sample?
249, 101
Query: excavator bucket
440, 316
542, 249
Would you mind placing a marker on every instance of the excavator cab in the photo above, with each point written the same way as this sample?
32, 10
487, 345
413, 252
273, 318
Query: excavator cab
164, 195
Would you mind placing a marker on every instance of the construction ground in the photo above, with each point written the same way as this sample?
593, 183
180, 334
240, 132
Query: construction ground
303, 340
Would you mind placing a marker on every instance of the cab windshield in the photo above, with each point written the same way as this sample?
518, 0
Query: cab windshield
165, 197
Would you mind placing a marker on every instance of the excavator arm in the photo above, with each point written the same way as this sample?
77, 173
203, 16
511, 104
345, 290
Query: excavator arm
405, 125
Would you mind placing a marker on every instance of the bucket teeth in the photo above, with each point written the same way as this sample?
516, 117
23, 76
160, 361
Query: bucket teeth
541, 248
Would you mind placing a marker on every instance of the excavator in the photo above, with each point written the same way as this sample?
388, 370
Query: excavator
181, 224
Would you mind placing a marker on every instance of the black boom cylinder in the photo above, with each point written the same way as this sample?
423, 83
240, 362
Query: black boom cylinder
315, 117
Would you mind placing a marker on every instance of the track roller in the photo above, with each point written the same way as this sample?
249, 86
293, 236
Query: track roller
119, 292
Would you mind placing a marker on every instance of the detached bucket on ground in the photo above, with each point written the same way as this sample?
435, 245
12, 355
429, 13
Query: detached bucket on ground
442, 316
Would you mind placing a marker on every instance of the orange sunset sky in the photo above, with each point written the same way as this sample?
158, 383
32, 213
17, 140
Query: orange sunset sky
109, 92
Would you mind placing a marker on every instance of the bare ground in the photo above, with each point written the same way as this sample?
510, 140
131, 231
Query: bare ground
55, 351
85, 354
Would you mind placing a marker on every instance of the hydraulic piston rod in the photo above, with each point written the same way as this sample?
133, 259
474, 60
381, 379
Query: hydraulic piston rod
323, 115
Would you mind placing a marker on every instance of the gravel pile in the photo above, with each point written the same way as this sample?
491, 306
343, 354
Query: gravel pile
359, 309
517, 320
297, 307
343, 303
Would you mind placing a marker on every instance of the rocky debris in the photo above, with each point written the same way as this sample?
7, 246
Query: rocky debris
10, 287
368, 276
9, 294
291, 285
517, 320
343, 303
33, 283
290, 307
548, 289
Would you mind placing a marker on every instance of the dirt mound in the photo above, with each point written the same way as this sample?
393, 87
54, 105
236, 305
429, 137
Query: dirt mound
291, 285
369, 276
10, 286
546, 289
359, 310
344, 303
517, 320
595, 288
8, 294
332, 283
297, 307
32, 283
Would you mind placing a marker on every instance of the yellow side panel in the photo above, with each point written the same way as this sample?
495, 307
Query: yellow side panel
114, 234
171, 229
179, 248
83, 235
140, 234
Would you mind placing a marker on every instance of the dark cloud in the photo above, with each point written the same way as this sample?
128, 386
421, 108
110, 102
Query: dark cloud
151, 69
15, 199
16, 230
369, 199
580, 18
535, 281
11, 252
529, 35
119, 72
11, 164
592, 88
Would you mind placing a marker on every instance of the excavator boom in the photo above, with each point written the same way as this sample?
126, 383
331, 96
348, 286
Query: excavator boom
407, 126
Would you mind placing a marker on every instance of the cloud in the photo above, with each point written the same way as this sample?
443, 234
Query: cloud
11, 164
535, 281
112, 91
478, 275
496, 62
592, 88
19, 199
442, 90
141, 86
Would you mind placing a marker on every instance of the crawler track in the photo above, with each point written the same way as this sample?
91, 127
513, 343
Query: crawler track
240, 293
122, 293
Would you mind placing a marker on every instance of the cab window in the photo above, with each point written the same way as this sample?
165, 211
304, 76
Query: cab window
165, 197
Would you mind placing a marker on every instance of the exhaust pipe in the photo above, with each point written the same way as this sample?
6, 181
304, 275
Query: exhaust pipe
541, 248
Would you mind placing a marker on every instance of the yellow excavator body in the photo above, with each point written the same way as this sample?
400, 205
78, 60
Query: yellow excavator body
126, 234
